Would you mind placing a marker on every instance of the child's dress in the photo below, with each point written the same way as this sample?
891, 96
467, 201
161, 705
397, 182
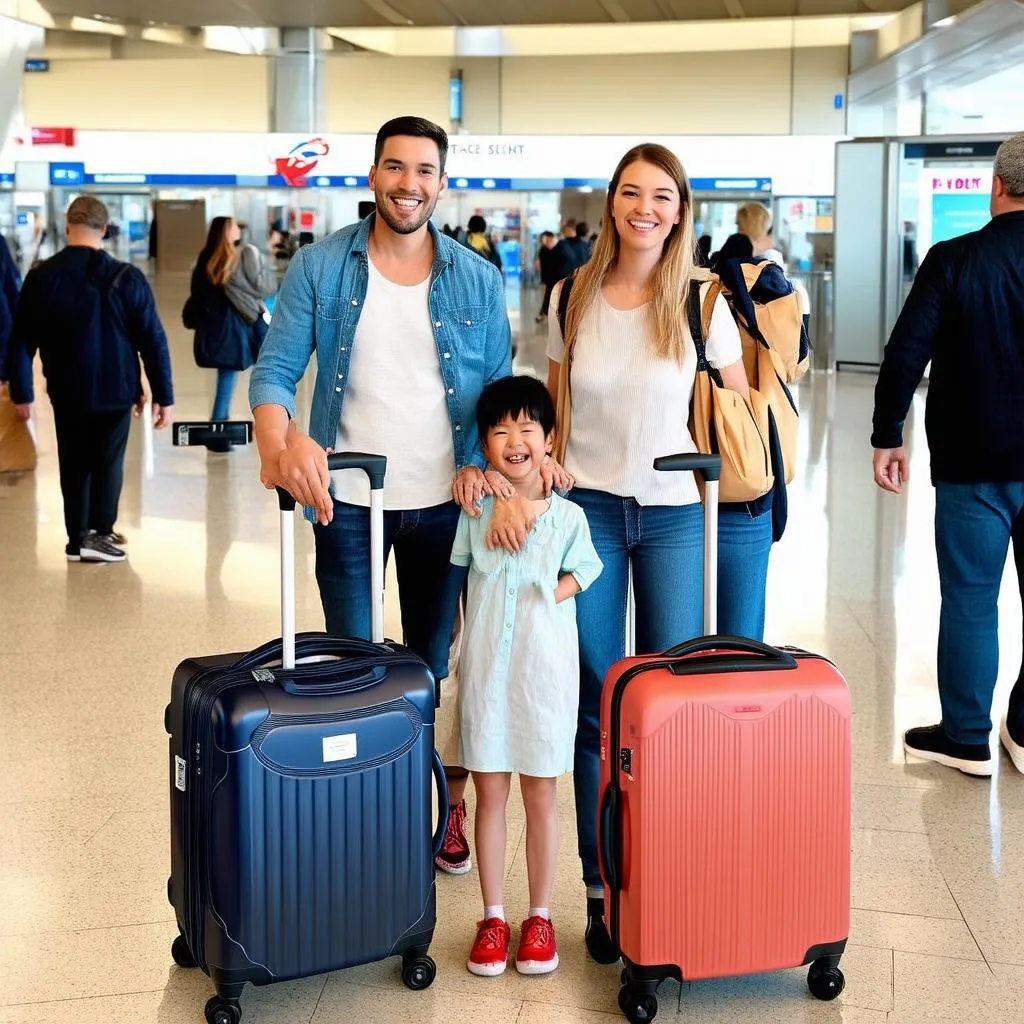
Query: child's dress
519, 675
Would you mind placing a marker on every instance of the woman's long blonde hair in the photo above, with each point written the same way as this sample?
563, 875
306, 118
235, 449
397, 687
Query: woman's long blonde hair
669, 334
219, 256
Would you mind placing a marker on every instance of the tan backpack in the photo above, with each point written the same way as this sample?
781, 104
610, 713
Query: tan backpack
776, 349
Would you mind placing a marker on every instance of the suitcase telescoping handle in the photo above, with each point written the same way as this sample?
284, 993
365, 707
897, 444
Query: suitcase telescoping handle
710, 468
374, 466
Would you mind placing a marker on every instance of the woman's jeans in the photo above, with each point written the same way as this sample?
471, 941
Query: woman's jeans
664, 547
225, 390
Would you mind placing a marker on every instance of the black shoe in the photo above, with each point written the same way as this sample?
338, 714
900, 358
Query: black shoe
930, 743
599, 943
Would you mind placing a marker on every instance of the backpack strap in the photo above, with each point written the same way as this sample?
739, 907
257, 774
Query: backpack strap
699, 318
563, 301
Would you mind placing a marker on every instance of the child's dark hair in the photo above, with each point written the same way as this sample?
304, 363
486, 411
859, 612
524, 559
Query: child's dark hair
511, 396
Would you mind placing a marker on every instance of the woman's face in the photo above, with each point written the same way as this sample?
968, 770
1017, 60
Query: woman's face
646, 206
234, 232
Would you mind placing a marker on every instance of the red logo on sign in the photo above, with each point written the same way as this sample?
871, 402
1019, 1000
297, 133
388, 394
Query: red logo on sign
301, 161
53, 136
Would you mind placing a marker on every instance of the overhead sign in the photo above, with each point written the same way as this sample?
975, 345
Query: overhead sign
36, 65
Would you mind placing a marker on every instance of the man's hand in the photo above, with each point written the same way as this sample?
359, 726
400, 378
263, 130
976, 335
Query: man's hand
23, 412
511, 521
301, 469
892, 468
140, 406
468, 488
554, 476
162, 416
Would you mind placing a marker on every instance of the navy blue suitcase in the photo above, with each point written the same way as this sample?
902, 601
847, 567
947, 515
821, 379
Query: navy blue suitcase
301, 782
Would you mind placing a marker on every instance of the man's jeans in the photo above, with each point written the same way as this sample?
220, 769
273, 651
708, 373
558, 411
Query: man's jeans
973, 525
422, 541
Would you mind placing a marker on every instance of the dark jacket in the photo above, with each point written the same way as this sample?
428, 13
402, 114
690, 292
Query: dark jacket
965, 313
570, 255
548, 259
10, 285
90, 318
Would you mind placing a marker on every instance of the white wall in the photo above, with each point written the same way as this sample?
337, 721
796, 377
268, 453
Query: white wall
189, 94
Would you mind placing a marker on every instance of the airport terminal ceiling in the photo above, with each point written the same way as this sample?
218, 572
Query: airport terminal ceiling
360, 13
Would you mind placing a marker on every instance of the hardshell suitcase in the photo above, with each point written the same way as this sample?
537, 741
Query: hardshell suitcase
724, 811
301, 799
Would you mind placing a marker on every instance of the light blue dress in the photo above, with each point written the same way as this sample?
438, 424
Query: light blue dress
519, 668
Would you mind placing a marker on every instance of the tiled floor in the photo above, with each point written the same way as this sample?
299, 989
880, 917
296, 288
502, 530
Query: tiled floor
87, 654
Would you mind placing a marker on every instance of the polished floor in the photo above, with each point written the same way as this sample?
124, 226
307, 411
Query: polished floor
86, 660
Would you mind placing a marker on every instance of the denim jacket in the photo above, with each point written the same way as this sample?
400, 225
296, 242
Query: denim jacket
318, 308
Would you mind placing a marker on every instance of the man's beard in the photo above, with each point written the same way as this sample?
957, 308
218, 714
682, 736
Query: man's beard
404, 227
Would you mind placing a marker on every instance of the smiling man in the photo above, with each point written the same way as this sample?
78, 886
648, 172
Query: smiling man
408, 327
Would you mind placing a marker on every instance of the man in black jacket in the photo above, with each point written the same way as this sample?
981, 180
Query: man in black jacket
965, 314
90, 318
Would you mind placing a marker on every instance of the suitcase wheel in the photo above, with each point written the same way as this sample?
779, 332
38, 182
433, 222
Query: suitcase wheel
638, 1007
825, 982
181, 954
418, 971
223, 1011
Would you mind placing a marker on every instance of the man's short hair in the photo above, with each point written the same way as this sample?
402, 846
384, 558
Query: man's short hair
582, 229
418, 128
1009, 165
88, 212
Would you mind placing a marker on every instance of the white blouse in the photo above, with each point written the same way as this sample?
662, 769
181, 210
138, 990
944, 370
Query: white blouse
629, 406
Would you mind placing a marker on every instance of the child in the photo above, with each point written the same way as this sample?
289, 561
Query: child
519, 673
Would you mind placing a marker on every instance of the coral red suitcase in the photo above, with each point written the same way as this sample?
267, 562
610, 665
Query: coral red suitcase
724, 820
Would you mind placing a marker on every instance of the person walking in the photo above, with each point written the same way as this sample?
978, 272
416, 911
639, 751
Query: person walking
91, 318
965, 316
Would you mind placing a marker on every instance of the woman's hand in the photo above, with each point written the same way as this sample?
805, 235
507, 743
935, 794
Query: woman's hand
554, 476
469, 488
511, 521
499, 486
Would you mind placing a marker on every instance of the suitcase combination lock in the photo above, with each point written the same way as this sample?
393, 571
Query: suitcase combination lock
626, 760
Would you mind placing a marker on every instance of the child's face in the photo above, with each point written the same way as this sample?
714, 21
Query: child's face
516, 448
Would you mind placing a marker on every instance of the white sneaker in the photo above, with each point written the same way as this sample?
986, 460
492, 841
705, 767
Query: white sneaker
1015, 750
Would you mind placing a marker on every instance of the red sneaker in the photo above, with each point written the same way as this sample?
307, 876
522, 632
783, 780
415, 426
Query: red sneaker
489, 954
454, 857
537, 952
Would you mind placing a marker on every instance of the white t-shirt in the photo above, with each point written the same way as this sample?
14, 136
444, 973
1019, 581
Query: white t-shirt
395, 401
629, 406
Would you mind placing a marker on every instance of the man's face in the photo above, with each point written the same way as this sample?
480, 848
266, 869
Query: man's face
407, 182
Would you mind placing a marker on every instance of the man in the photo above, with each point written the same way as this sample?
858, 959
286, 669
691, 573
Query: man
573, 250
408, 327
965, 314
548, 269
91, 318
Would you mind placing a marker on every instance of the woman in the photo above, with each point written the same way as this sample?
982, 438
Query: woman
623, 376
229, 285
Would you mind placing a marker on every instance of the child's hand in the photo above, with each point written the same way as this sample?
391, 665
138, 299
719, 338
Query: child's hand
567, 588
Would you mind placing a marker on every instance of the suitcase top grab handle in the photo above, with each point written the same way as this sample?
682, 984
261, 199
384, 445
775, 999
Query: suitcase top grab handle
374, 466
767, 657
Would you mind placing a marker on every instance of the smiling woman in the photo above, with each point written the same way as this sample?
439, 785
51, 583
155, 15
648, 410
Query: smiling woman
628, 354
